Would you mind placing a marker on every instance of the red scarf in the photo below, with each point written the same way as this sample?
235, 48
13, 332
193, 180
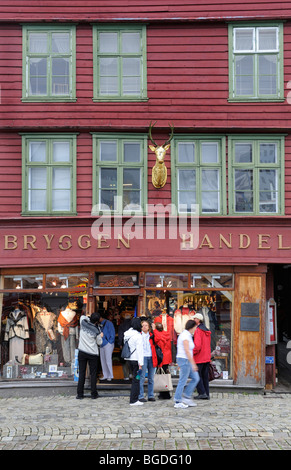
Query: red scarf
66, 325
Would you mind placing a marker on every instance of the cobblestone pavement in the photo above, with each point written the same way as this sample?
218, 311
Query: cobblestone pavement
228, 421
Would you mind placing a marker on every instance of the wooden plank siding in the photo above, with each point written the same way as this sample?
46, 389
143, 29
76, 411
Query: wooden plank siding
187, 67
116, 10
187, 82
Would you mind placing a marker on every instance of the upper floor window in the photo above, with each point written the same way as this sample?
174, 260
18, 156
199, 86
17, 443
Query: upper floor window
119, 173
198, 174
119, 62
256, 62
49, 63
49, 175
256, 175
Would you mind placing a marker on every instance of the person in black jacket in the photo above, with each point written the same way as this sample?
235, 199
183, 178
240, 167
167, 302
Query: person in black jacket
123, 327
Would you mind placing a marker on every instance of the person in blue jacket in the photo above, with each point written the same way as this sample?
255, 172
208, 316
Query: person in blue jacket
107, 346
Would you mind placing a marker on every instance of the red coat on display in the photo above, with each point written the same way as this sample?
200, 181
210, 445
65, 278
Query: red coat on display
202, 349
163, 339
169, 322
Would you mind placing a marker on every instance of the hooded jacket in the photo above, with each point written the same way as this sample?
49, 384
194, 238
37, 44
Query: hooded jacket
202, 348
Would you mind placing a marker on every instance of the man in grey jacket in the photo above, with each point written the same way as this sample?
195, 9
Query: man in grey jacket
89, 342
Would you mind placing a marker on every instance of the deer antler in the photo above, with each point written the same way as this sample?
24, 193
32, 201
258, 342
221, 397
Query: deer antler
171, 135
150, 133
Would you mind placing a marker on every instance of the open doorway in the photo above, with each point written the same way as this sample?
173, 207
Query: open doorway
119, 309
282, 289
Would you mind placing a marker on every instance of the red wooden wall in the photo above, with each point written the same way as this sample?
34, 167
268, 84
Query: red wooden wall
187, 69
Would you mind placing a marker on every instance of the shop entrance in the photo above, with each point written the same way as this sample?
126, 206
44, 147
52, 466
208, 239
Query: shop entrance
119, 309
282, 286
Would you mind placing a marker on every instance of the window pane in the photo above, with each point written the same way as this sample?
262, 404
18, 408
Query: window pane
131, 178
37, 151
186, 180
243, 193
131, 86
132, 200
38, 76
268, 153
37, 200
209, 152
131, 66
38, 43
244, 39
210, 201
130, 42
37, 178
108, 66
268, 191
185, 200
210, 179
107, 199
61, 43
267, 74
108, 42
267, 39
243, 179
244, 75
108, 178
61, 151
131, 152
243, 153
109, 86
61, 178
61, 200
108, 151
186, 152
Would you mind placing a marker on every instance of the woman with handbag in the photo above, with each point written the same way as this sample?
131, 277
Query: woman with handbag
163, 339
188, 367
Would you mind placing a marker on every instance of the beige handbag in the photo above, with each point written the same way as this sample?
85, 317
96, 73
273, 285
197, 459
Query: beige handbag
33, 359
162, 381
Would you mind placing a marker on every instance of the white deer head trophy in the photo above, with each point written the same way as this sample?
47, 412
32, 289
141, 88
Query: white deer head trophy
159, 171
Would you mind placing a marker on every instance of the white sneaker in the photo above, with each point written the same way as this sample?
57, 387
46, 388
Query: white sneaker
137, 403
180, 405
188, 401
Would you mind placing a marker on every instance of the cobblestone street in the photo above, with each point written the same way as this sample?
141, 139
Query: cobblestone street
229, 421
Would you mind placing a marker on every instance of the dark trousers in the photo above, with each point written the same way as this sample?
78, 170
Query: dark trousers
203, 384
92, 360
135, 383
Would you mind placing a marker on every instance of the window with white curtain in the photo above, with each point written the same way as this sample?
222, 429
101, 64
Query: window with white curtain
198, 175
119, 62
49, 58
256, 62
49, 174
256, 177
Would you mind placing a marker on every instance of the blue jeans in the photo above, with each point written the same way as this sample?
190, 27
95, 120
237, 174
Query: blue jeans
147, 366
186, 372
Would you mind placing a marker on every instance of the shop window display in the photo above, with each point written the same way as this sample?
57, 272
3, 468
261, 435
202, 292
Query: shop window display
39, 334
174, 308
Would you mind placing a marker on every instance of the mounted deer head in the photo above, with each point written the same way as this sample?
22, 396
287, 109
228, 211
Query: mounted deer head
159, 172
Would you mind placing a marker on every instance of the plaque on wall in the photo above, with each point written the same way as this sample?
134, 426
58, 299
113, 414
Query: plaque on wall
249, 324
250, 309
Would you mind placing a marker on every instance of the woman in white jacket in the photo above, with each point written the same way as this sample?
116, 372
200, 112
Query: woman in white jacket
134, 338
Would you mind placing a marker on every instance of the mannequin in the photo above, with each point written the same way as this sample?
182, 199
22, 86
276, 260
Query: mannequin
16, 332
168, 325
181, 316
68, 329
45, 324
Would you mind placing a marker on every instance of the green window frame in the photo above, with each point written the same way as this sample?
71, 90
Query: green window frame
199, 174
119, 63
119, 171
49, 63
256, 175
49, 174
256, 70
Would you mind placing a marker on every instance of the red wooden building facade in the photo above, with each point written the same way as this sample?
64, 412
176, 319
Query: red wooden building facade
80, 84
